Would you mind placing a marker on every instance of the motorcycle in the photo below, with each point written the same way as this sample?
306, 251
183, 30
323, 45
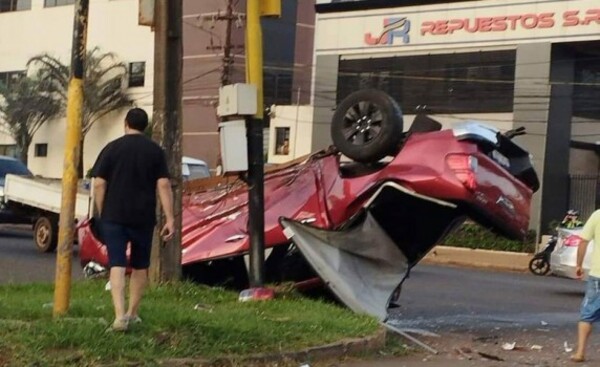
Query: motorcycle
540, 263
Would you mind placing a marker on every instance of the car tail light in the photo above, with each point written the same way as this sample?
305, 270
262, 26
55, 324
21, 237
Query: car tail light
572, 241
464, 167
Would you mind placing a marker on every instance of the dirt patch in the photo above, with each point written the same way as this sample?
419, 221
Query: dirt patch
540, 347
5, 357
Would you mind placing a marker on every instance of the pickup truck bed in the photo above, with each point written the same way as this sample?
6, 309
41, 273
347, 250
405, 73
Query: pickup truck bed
43, 194
40, 198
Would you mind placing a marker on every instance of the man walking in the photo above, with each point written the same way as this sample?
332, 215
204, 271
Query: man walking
128, 173
590, 307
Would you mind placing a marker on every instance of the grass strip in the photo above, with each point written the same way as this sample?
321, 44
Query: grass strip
180, 320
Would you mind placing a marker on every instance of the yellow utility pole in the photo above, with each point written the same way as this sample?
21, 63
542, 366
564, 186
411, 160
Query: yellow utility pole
66, 230
254, 126
254, 52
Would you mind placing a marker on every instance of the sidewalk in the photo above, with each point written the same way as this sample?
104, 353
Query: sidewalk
498, 260
550, 340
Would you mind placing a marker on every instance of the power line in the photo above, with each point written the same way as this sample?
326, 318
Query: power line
201, 75
232, 18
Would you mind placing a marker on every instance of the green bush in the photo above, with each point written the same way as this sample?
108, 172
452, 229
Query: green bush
472, 235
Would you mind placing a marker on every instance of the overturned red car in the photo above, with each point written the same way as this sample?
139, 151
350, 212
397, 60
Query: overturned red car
372, 218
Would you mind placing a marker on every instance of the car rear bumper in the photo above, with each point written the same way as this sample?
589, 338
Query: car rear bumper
562, 266
563, 271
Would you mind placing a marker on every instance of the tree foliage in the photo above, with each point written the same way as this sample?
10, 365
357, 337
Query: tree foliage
103, 88
25, 105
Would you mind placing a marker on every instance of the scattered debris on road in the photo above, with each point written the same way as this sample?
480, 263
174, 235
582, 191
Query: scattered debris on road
509, 346
464, 352
486, 339
491, 357
567, 348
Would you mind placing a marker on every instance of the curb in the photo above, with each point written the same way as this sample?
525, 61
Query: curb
476, 258
335, 350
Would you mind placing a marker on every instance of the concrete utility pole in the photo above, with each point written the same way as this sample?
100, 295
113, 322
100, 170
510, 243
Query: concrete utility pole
66, 230
167, 127
227, 59
254, 127
230, 17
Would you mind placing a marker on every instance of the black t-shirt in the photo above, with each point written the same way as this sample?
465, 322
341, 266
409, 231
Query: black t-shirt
131, 166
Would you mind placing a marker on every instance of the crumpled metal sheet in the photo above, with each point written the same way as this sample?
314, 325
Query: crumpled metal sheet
361, 264
366, 260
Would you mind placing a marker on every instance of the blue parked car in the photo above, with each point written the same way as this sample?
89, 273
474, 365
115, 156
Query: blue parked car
9, 165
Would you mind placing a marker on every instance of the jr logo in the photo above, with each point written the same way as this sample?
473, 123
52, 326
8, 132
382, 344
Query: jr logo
392, 28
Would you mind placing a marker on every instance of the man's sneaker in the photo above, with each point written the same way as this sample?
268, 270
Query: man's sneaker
119, 325
134, 319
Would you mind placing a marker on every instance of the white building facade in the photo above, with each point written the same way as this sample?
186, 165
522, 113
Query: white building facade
32, 27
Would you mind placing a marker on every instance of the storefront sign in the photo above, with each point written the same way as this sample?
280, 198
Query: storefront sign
570, 18
392, 28
488, 22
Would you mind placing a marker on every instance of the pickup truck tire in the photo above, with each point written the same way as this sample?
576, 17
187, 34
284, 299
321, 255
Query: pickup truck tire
45, 233
367, 126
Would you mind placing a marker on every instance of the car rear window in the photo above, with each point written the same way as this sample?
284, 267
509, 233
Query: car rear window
198, 171
13, 167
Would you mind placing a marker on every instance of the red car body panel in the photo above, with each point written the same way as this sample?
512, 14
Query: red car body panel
327, 194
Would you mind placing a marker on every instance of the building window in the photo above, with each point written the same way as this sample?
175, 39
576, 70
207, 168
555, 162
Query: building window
9, 150
474, 82
586, 89
41, 150
52, 3
282, 140
277, 88
137, 74
7, 78
14, 5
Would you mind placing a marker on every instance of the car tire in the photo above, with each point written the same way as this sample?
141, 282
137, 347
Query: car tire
45, 233
367, 126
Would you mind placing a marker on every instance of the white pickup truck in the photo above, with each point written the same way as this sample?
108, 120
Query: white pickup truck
40, 199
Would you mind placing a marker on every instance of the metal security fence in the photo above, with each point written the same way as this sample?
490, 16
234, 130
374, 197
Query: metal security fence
583, 194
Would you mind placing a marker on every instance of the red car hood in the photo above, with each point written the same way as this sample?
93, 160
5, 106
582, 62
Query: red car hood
215, 222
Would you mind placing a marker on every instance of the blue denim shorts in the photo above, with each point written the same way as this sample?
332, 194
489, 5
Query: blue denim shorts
590, 307
117, 236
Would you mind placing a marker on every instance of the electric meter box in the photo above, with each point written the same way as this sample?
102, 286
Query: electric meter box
237, 99
234, 145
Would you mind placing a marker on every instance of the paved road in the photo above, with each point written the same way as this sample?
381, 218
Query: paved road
456, 299
20, 262
478, 311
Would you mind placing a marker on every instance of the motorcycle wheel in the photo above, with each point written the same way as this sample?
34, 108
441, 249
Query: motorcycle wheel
539, 266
